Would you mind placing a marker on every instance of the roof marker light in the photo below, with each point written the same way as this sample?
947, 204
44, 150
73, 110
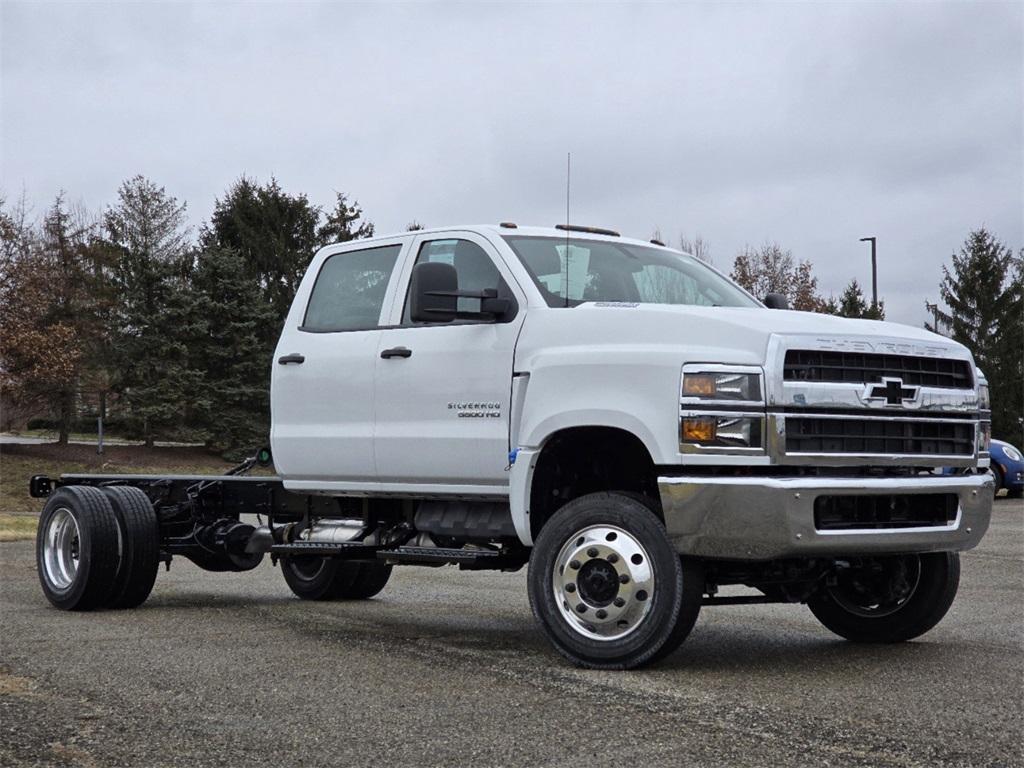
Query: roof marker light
588, 230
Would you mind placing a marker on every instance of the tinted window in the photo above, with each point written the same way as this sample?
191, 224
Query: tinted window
349, 291
474, 267
598, 270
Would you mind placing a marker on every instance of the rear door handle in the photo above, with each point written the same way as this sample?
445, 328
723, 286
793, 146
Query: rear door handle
396, 352
294, 357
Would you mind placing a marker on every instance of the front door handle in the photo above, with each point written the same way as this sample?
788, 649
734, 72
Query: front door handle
396, 352
294, 357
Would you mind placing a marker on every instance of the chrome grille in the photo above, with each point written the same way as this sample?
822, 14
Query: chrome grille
822, 365
908, 437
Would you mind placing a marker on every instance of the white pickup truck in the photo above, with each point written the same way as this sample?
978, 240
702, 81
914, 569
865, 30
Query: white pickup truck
617, 414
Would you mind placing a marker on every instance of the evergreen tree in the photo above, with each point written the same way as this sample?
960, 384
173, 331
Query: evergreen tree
982, 291
345, 222
234, 414
154, 316
275, 233
1007, 380
269, 238
853, 304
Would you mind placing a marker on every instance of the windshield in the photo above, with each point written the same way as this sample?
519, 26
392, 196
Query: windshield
599, 270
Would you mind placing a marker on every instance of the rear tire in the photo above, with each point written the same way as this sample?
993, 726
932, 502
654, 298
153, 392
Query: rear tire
369, 581
140, 547
900, 598
77, 548
326, 578
608, 588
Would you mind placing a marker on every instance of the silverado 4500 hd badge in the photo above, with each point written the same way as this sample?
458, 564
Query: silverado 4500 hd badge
476, 410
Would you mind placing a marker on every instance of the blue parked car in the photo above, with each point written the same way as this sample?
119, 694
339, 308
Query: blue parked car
1008, 467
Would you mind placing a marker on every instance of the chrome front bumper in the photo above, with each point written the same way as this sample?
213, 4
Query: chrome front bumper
765, 518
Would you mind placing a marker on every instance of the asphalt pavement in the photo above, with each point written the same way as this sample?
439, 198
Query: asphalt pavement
447, 668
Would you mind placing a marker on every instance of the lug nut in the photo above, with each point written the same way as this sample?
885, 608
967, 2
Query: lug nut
619, 602
581, 608
570, 588
592, 552
623, 578
602, 614
575, 565
613, 558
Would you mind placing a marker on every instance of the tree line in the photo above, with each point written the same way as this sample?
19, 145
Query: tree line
168, 333
127, 314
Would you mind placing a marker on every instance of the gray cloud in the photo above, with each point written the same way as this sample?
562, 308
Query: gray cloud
813, 125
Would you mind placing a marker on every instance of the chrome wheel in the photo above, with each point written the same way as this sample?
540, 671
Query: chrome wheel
61, 549
603, 582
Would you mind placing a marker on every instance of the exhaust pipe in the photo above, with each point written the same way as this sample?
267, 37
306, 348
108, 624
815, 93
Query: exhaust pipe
325, 531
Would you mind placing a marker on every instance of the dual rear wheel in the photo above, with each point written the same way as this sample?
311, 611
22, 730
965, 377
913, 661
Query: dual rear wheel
97, 548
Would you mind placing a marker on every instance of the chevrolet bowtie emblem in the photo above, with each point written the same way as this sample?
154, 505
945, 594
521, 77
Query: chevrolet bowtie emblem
892, 391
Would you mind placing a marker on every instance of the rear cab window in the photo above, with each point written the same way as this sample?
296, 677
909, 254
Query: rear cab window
349, 291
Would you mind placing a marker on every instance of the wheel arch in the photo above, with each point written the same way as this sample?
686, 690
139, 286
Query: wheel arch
576, 460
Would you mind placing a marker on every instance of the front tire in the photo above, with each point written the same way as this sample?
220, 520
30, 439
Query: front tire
889, 599
607, 587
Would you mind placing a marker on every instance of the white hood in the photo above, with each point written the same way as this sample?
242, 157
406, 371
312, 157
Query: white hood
721, 334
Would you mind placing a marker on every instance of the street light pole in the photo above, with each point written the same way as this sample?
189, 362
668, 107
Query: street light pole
874, 272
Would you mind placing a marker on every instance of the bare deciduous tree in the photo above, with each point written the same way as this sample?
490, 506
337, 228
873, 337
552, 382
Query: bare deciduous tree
770, 269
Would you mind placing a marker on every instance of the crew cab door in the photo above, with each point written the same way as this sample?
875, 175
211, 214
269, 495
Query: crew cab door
322, 389
443, 389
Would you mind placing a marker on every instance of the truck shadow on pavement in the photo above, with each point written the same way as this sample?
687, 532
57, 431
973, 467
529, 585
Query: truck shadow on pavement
782, 649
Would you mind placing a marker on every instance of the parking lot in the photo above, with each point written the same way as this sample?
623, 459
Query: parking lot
446, 668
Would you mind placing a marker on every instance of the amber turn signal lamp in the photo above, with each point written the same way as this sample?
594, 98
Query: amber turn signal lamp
699, 430
699, 385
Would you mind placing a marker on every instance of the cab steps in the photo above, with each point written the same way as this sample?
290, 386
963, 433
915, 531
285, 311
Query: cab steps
466, 559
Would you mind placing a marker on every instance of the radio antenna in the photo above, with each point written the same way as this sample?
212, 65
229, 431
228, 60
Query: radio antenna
568, 177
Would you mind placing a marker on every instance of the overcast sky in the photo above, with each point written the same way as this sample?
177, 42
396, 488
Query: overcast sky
810, 125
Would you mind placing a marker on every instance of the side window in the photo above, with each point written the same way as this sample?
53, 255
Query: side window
474, 267
349, 291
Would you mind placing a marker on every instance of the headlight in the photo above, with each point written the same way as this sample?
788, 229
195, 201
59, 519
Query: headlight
721, 431
726, 386
984, 401
1011, 453
984, 437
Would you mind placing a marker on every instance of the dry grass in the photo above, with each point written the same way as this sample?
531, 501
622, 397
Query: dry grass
17, 527
19, 462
